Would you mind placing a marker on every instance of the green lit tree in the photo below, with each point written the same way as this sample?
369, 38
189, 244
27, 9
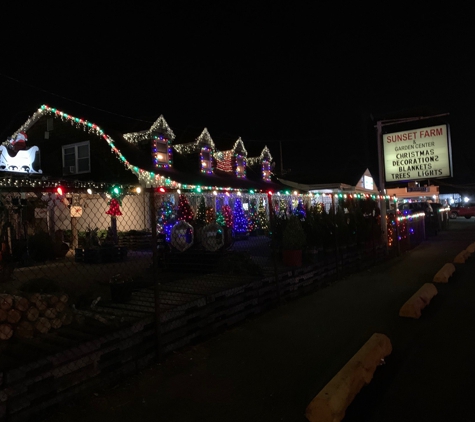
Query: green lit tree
262, 221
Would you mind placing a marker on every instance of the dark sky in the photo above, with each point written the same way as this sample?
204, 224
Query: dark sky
313, 77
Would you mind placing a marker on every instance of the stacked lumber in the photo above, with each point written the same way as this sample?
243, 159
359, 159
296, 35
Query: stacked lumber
38, 313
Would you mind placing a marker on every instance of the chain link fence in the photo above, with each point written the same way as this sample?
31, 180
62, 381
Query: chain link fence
96, 285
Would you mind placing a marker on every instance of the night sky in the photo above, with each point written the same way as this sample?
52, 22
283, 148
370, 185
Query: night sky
316, 79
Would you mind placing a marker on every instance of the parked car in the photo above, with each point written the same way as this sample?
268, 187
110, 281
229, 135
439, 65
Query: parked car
466, 210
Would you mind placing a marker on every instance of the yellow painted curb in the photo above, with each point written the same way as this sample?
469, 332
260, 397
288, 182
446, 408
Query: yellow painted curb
471, 248
418, 301
330, 404
444, 273
461, 257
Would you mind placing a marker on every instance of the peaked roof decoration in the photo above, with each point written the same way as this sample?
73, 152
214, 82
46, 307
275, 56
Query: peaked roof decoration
145, 177
159, 127
240, 143
223, 155
265, 155
202, 140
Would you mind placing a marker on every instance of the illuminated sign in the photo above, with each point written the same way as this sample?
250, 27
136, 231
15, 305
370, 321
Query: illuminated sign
368, 182
417, 154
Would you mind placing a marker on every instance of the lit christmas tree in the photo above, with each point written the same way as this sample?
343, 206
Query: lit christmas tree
114, 211
283, 208
299, 211
114, 208
225, 217
210, 215
184, 209
200, 217
262, 222
240, 220
252, 218
166, 218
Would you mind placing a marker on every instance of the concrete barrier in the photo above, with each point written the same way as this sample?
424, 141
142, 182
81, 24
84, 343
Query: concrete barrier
418, 301
331, 402
471, 248
462, 257
443, 275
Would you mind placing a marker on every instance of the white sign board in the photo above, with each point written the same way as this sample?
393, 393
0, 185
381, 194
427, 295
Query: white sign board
368, 182
76, 211
417, 154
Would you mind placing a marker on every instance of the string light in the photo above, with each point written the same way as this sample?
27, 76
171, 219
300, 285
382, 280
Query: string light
159, 132
190, 147
159, 127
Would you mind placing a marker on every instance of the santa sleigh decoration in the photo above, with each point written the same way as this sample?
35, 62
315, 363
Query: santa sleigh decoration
17, 157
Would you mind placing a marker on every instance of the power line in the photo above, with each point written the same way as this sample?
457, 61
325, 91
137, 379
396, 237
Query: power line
71, 100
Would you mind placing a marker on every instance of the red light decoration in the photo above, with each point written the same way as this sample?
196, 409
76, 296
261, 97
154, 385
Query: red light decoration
59, 190
114, 208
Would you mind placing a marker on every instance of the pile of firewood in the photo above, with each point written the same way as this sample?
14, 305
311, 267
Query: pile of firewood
38, 313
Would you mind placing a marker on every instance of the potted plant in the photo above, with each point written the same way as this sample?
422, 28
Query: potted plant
293, 242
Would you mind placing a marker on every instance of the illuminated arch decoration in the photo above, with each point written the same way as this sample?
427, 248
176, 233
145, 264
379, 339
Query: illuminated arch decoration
182, 236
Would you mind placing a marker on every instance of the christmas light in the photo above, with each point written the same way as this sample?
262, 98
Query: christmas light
190, 147
159, 127
159, 131
240, 220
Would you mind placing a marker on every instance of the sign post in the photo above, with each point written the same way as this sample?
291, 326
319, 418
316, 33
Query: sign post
382, 188
415, 154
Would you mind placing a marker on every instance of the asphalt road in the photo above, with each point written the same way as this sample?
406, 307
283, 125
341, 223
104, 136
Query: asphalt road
269, 368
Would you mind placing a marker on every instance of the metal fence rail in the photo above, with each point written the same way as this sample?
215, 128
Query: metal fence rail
95, 286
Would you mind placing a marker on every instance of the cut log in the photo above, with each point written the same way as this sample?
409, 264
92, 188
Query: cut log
51, 313
32, 313
63, 298
3, 315
43, 325
66, 317
56, 323
34, 297
21, 303
42, 304
60, 306
24, 329
6, 301
13, 316
6, 331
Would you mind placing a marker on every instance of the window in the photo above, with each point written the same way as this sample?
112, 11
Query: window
162, 153
266, 171
240, 166
76, 158
206, 160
